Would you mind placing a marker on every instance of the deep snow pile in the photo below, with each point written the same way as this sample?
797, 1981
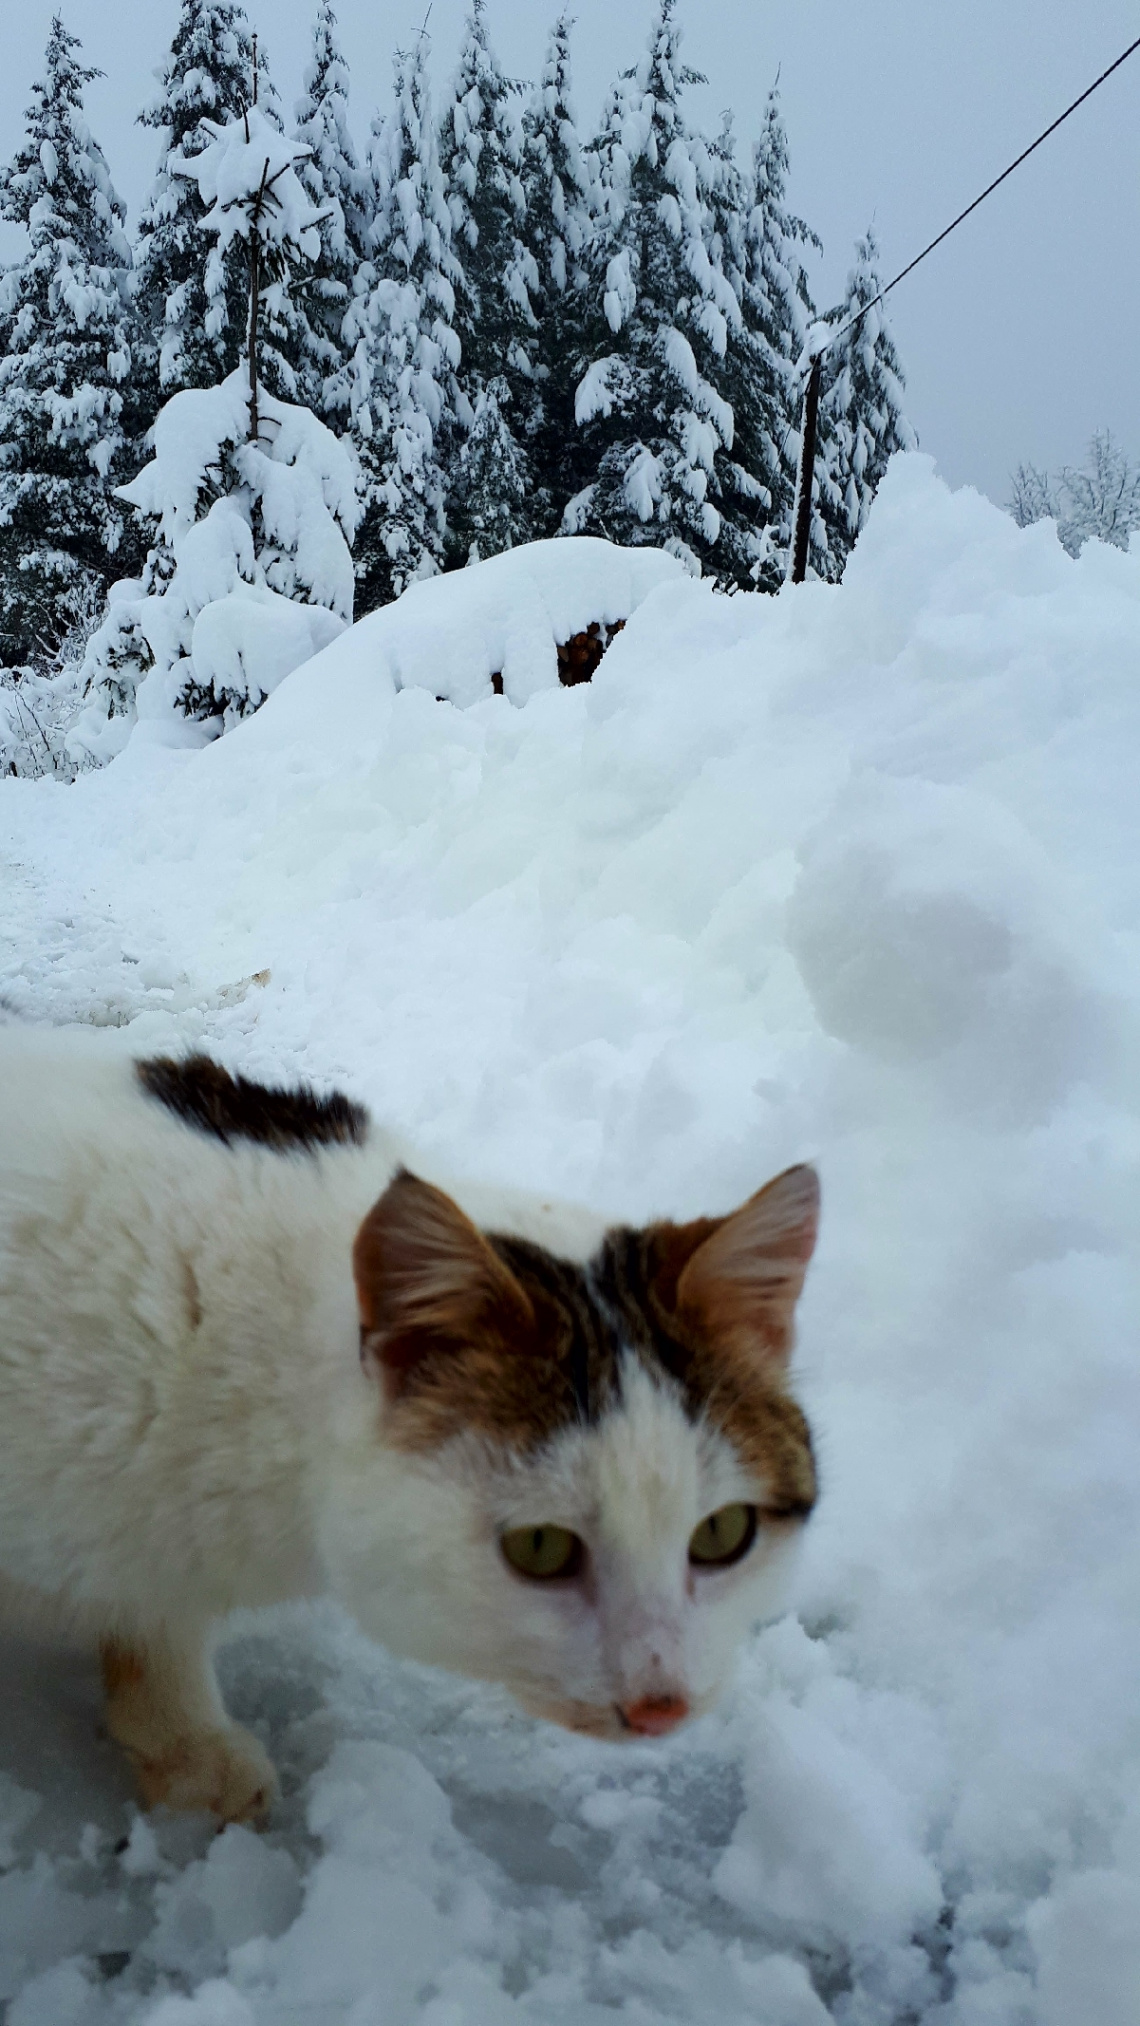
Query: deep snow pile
851, 873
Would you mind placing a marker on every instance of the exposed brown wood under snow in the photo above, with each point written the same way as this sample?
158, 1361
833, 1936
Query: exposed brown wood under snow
579, 656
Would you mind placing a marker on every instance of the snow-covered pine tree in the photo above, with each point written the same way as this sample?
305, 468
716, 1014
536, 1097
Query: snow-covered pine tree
481, 152
247, 174
654, 424
763, 381
339, 190
862, 422
67, 420
251, 573
557, 229
404, 401
192, 301
254, 498
493, 477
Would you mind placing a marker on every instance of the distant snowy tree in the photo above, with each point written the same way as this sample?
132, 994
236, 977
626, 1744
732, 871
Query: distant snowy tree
247, 175
192, 304
491, 493
557, 210
1103, 495
481, 150
654, 423
193, 293
404, 401
250, 575
862, 422
1098, 500
1033, 496
557, 230
66, 413
338, 189
766, 245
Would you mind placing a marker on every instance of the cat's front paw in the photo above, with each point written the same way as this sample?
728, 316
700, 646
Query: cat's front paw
219, 1772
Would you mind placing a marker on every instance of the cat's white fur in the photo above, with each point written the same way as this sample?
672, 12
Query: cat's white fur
186, 1427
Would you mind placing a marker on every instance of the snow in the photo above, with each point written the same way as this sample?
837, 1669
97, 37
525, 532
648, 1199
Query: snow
850, 873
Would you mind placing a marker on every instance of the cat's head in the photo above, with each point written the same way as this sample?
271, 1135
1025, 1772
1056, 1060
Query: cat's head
584, 1480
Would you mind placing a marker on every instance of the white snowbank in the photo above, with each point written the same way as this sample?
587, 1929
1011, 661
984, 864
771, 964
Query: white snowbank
851, 873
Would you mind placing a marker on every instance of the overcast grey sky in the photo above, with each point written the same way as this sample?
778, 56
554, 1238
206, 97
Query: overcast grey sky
1018, 337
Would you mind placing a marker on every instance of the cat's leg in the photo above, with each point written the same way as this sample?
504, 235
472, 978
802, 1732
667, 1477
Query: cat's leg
164, 1708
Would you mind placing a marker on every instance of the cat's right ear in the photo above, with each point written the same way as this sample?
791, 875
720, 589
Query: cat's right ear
736, 1280
427, 1282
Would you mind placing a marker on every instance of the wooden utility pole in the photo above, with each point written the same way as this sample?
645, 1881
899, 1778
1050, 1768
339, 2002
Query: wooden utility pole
802, 533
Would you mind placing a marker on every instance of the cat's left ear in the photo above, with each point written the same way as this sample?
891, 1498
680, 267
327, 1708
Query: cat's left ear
734, 1281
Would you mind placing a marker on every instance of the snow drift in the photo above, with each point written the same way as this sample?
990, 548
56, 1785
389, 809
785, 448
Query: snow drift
851, 874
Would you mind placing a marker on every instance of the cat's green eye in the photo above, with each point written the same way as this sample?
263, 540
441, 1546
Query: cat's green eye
543, 1552
724, 1537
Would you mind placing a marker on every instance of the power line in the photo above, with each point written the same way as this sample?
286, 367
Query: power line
987, 192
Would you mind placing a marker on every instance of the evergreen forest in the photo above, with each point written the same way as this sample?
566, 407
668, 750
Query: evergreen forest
513, 329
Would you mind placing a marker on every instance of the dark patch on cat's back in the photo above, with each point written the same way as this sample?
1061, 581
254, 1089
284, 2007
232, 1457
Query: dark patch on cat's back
205, 1096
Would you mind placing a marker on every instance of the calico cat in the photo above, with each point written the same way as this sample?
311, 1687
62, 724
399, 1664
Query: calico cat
247, 1355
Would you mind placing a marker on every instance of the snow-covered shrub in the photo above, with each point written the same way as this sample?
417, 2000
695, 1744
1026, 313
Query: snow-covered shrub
250, 575
37, 709
40, 701
1098, 500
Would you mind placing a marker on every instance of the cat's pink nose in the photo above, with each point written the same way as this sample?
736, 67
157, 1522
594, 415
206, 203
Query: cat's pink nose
654, 1714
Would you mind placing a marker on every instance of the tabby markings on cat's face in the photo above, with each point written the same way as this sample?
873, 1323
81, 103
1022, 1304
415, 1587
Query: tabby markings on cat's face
625, 1399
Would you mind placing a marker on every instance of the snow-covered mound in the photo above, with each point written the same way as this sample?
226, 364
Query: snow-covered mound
454, 635
852, 873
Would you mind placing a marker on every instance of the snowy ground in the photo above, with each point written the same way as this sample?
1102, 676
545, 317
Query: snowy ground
851, 874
